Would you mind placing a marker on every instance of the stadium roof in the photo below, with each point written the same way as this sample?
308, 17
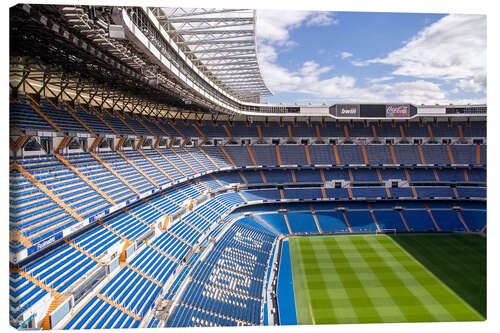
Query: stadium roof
221, 42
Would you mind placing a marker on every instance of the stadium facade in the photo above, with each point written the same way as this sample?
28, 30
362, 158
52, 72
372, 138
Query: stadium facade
142, 158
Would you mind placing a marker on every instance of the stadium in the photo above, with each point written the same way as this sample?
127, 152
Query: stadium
150, 186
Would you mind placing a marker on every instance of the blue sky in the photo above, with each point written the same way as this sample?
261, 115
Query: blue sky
353, 56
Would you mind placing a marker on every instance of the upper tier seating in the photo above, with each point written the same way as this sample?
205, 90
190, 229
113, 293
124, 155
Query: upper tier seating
464, 154
407, 154
400, 192
186, 128
211, 130
336, 174
386, 129
265, 155
442, 129
434, 191
253, 177
61, 118
369, 192
217, 156
350, 154
436, 154
301, 130
388, 174
482, 154
476, 129
278, 176
477, 175
471, 192
24, 116
365, 175
252, 195
239, 155
241, 130
293, 155
274, 130
421, 175
358, 129
378, 154
152, 127
415, 130
337, 193
114, 121
308, 176
89, 118
451, 175
332, 130
322, 154
302, 193
131, 122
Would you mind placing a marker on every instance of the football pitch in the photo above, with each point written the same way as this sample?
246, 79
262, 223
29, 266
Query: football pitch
375, 279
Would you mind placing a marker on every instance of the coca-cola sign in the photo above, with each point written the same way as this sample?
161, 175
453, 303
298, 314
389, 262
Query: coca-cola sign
397, 110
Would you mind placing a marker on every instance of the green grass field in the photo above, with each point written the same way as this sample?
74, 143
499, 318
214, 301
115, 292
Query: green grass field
374, 279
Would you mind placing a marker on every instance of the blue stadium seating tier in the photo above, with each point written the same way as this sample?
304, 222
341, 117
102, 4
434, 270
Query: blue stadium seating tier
39, 217
213, 264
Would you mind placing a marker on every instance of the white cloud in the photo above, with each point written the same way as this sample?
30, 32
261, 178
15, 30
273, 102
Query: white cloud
273, 25
380, 79
322, 19
313, 69
307, 79
345, 55
359, 63
452, 48
476, 84
465, 101
419, 91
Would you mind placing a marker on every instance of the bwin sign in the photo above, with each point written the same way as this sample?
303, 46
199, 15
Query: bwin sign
348, 112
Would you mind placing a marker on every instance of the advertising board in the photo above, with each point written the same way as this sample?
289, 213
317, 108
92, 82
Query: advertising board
347, 110
397, 110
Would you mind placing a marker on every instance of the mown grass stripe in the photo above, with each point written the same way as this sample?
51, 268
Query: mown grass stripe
459, 264
455, 305
409, 304
346, 277
361, 301
375, 289
444, 304
343, 291
418, 281
323, 310
301, 291
452, 264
